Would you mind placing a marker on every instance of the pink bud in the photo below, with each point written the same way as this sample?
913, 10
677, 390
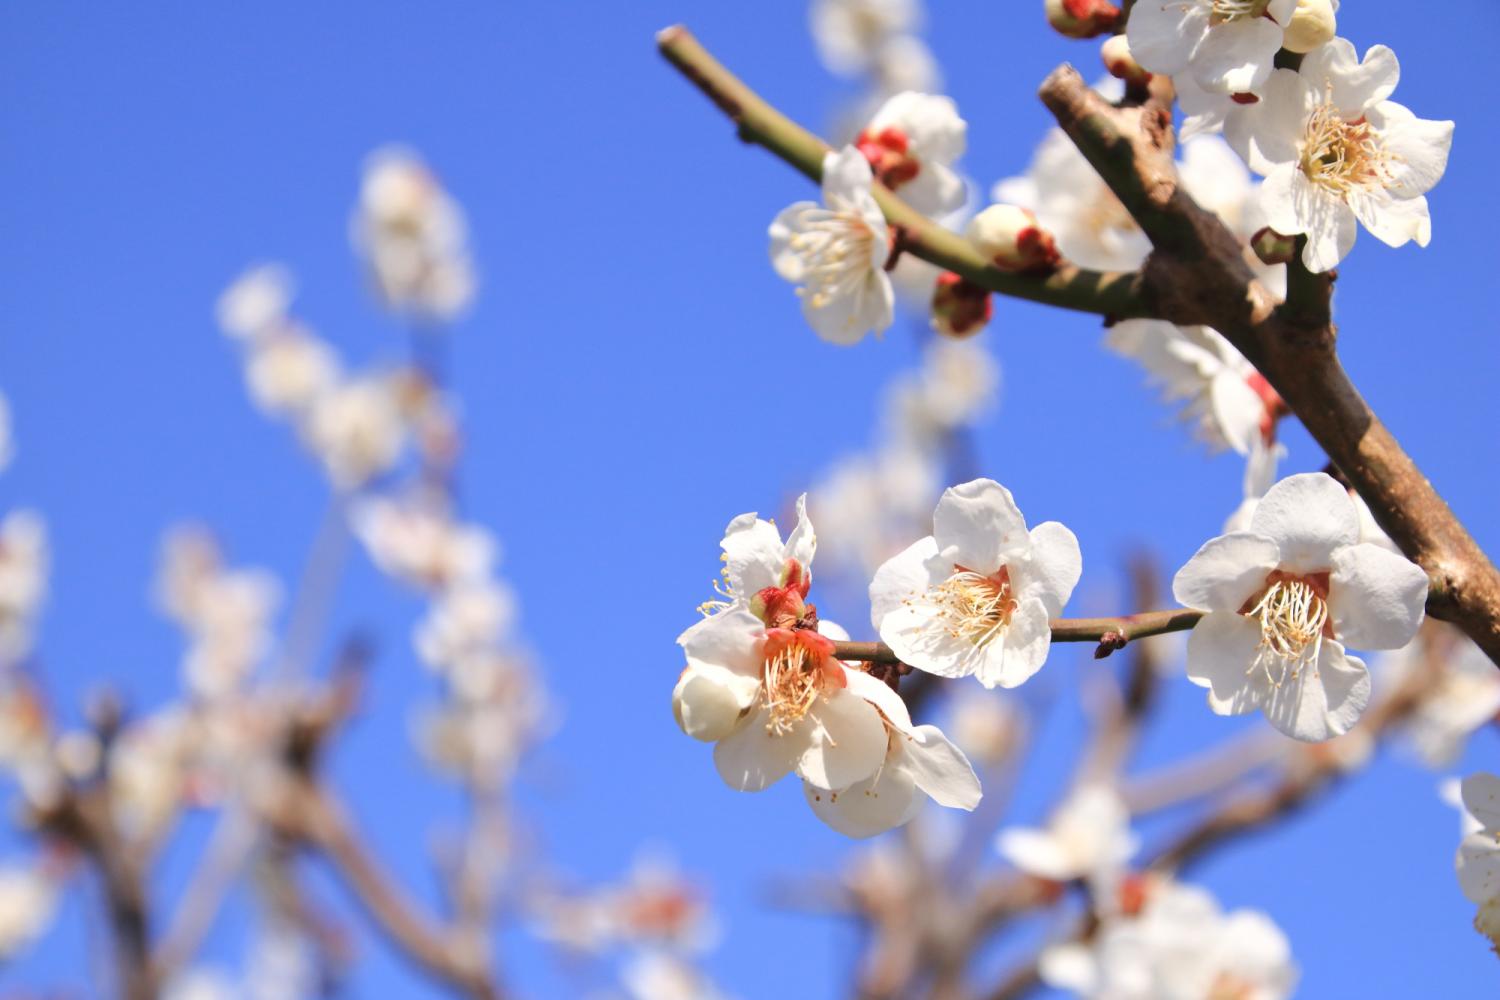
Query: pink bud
1083, 18
1120, 63
959, 308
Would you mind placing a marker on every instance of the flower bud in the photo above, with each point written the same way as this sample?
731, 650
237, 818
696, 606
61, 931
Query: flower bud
1011, 239
1120, 63
705, 709
1272, 247
1312, 25
1082, 18
959, 308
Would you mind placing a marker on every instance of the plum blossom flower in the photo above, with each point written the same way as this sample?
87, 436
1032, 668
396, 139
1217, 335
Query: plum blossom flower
413, 237
1284, 597
837, 252
469, 619
919, 761
1461, 695
1478, 861
1226, 46
1228, 402
256, 303
1088, 837
289, 370
28, 899
24, 565
421, 545
976, 596
1175, 943
911, 144
1337, 154
852, 34
357, 430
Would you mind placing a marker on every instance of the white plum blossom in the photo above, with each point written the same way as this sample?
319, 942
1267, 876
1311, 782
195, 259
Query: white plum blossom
851, 35
1337, 154
1226, 46
659, 975
1284, 597
358, 431
24, 565
977, 595
1176, 944
919, 761
1088, 837
911, 144
1228, 403
1478, 860
256, 303
289, 370
1460, 694
413, 237
28, 899
469, 619
421, 545
836, 252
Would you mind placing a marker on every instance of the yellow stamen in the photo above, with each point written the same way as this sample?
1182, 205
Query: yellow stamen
792, 686
1343, 156
974, 607
1293, 616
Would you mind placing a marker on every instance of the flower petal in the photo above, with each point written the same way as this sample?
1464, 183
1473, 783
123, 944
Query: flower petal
848, 741
1237, 58
1353, 85
881, 695
1308, 516
1481, 797
869, 807
783, 228
845, 319
802, 543
919, 635
1418, 148
752, 758
753, 554
1011, 658
1162, 35
1376, 597
1479, 867
1393, 221
1320, 702
709, 700
940, 768
978, 526
1053, 568
1221, 652
1226, 572
902, 576
729, 639
1035, 852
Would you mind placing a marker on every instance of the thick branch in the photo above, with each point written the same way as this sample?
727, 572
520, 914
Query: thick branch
1198, 274
1113, 294
1111, 633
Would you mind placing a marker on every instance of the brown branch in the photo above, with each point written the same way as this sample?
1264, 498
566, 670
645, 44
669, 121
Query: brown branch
1111, 633
1197, 274
1111, 294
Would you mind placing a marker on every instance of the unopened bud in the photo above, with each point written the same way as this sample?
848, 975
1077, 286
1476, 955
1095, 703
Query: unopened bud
1120, 63
1012, 239
1082, 18
959, 308
705, 709
1272, 247
1312, 25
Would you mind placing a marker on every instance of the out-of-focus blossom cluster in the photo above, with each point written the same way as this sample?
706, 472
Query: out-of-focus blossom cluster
871, 504
413, 238
877, 40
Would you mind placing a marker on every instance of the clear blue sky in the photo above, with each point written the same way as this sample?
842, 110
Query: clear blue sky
629, 341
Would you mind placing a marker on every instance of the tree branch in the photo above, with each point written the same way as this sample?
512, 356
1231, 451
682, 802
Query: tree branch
1198, 274
1113, 294
1110, 633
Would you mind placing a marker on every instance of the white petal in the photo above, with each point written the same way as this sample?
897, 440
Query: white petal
1393, 221
1237, 58
1479, 867
1323, 702
868, 807
1481, 797
1220, 653
1308, 516
1376, 597
1355, 85
751, 759
917, 632
754, 555
846, 176
1070, 967
1237, 410
848, 741
1418, 148
845, 319
802, 543
729, 639
786, 225
902, 576
1012, 658
935, 191
1163, 35
708, 701
940, 768
1226, 572
1035, 852
1053, 569
978, 526
882, 696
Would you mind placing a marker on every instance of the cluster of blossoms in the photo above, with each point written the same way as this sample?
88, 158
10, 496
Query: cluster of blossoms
413, 238
1478, 860
877, 40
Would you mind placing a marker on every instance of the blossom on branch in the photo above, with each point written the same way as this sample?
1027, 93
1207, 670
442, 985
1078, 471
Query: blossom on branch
911, 144
976, 596
1478, 861
1088, 837
1226, 46
837, 252
1337, 154
1284, 597
24, 564
852, 35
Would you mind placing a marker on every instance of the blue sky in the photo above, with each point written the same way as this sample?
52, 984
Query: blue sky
629, 344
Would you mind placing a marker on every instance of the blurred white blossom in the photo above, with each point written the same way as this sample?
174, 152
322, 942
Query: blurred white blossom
357, 430
1088, 837
24, 566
